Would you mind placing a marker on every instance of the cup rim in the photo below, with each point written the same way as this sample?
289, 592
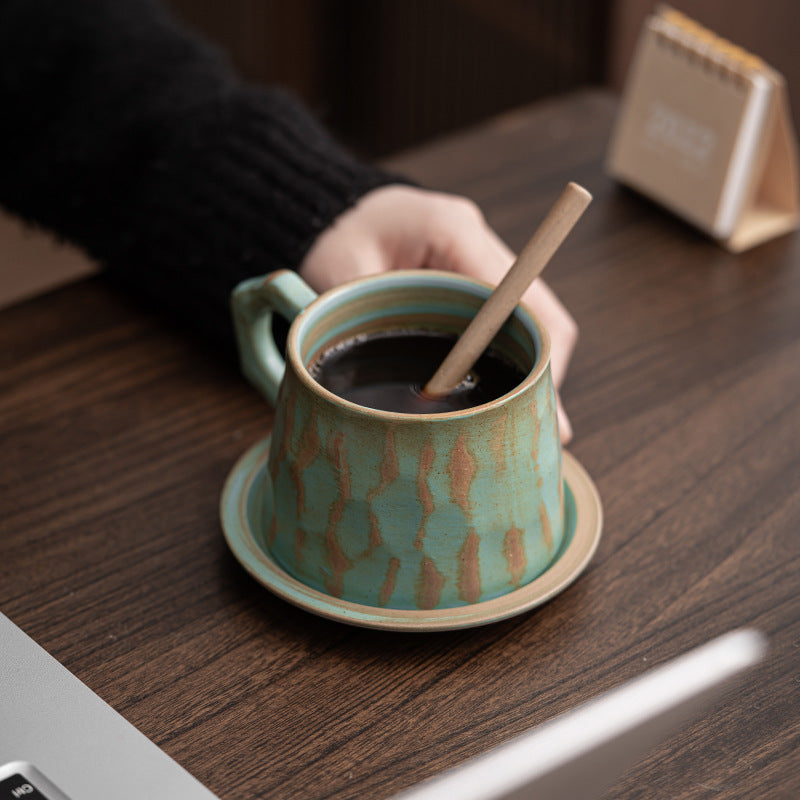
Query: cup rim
302, 373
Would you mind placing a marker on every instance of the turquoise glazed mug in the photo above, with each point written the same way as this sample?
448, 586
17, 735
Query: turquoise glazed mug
400, 510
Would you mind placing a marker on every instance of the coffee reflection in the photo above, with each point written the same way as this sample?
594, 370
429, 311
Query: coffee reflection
387, 371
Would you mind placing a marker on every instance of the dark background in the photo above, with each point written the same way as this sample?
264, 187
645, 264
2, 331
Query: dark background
388, 74
385, 74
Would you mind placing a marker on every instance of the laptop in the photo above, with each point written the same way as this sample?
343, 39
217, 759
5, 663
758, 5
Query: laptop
60, 741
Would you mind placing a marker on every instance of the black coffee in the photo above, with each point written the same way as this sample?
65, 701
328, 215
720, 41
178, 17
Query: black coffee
388, 370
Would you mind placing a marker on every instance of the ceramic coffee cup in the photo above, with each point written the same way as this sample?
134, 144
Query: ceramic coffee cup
396, 510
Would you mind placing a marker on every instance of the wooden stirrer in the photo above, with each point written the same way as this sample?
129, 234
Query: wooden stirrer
503, 300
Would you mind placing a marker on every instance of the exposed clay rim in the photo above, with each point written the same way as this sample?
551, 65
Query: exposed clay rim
293, 350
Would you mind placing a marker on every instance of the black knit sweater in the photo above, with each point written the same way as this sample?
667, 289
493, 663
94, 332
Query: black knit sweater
127, 135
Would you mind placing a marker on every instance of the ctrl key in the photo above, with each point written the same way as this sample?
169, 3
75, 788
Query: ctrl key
21, 781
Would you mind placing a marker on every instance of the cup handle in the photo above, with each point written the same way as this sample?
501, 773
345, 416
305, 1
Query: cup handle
253, 303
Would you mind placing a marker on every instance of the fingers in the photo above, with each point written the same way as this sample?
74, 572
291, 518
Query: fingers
341, 253
560, 325
384, 231
564, 425
462, 242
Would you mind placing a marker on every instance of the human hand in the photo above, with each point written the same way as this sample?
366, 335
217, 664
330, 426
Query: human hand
401, 227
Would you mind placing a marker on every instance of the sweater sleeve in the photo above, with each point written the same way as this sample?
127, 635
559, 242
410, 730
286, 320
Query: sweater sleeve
127, 135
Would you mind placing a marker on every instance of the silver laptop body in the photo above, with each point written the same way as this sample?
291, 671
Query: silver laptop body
60, 741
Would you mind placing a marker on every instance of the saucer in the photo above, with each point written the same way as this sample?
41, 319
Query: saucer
246, 500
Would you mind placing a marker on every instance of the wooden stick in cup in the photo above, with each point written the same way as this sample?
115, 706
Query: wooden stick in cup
503, 300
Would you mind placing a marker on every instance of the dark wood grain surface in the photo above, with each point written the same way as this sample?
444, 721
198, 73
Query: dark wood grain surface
118, 433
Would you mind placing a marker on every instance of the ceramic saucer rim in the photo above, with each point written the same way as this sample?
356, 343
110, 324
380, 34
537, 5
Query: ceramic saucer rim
559, 575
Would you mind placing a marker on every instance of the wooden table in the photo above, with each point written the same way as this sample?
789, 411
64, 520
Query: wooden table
684, 394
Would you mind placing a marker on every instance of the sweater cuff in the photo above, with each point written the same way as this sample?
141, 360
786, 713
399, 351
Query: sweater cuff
231, 194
